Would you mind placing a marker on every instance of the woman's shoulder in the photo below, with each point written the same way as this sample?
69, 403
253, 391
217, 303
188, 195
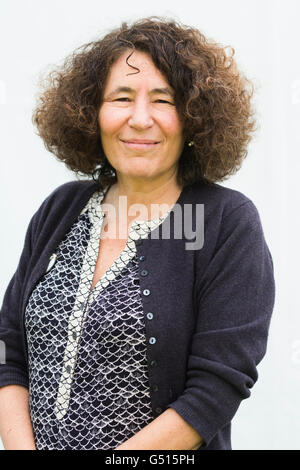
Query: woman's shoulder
225, 209
69, 193
220, 199
64, 201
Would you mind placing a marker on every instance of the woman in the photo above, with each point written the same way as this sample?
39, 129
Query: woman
142, 301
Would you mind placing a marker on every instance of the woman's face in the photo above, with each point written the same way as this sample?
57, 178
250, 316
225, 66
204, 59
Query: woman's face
141, 132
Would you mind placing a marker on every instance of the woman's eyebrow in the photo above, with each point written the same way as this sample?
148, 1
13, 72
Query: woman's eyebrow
163, 91
125, 89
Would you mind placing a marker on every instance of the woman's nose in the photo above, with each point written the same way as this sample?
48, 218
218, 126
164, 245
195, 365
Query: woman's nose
140, 117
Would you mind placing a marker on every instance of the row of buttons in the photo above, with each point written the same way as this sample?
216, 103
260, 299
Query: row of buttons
146, 292
149, 316
144, 272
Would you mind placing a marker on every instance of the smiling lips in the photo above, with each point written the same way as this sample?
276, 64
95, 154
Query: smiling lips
140, 143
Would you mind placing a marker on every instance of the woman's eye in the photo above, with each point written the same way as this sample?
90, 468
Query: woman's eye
157, 101
164, 101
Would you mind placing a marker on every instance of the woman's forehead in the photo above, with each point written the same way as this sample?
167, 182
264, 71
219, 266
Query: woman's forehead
141, 68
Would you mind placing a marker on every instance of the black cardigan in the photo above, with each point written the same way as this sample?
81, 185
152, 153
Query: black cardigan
211, 305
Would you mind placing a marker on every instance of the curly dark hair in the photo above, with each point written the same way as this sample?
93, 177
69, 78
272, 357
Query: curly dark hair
212, 97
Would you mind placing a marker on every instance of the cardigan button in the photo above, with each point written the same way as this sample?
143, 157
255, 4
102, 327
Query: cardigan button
158, 410
152, 340
144, 272
154, 388
153, 363
142, 258
146, 292
150, 315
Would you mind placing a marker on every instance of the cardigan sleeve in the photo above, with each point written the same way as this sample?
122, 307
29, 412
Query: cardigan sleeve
13, 369
235, 299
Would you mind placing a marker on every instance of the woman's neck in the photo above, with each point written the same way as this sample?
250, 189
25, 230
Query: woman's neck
154, 199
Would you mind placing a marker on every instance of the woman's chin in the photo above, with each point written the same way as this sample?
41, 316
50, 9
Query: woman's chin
137, 173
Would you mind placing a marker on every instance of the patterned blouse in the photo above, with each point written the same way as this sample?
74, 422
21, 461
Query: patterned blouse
88, 381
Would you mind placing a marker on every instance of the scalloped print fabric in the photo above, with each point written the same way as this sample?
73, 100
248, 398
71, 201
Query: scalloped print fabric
88, 380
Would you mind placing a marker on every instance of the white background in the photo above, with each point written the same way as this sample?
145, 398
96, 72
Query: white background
36, 35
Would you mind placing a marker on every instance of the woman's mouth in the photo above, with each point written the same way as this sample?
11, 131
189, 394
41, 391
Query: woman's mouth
140, 145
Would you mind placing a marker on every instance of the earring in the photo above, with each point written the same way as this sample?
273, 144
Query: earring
191, 143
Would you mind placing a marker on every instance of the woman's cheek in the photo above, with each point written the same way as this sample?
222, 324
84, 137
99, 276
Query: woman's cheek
172, 125
109, 116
